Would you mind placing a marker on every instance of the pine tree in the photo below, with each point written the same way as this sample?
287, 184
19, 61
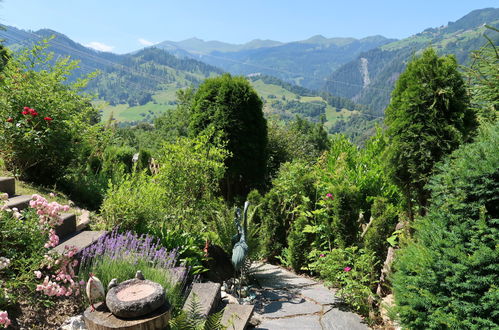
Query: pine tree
427, 118
231, 105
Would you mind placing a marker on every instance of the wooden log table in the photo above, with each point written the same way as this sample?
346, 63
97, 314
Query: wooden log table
103, 319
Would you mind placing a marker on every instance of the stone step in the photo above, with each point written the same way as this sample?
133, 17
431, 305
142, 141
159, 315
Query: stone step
207, 296
236, 317
8, 185
80, 240
67, 227
20, 202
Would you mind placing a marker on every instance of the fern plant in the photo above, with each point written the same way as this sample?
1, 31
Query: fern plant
193, 319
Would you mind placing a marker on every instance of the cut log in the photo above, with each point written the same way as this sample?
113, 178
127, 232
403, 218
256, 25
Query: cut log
102, 319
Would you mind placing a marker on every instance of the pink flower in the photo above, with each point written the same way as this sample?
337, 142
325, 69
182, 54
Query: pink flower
10, 120
38, 274
4, 319
322, 255
329, 196
347, 269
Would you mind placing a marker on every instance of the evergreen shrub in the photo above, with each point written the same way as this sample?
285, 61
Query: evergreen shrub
384, 220
448, 277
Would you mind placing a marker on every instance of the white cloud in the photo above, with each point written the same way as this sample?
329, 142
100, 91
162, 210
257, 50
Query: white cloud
99, 46
145, 42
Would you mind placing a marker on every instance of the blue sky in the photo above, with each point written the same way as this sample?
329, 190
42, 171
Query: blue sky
122, 26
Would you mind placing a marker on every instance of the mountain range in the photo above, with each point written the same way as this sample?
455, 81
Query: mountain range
306, 63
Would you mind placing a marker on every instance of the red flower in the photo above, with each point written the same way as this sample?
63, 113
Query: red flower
47, 118
33, 112
25, 112
10, 120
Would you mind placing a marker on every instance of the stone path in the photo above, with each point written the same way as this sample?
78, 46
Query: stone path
286, 301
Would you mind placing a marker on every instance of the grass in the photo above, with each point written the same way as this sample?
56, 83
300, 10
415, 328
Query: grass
332, 116
264, 90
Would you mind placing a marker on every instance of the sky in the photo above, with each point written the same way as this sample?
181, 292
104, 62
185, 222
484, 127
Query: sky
122, 26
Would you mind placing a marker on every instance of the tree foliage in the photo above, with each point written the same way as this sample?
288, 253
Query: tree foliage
448, 277
231, 106
427, 118
484, 80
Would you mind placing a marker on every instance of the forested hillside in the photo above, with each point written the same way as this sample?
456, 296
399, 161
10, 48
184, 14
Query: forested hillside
369, 79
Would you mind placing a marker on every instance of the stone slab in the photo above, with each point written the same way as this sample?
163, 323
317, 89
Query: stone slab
278, 309
81, 240
8, 185
319, 294
102, 319
236, 317
20, 202
207, 294
67, 227
307, 322
269, 276
337, 319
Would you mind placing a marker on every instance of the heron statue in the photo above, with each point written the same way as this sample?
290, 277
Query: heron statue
240, 247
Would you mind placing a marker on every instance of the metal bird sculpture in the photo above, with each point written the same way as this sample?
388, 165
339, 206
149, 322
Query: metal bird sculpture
95, 290
240, 248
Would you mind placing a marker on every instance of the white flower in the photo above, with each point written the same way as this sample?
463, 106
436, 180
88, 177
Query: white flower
4, 262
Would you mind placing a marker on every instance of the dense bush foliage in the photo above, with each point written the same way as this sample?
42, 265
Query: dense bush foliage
447, 277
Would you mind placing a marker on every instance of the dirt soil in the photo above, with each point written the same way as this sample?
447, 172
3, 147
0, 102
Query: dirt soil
33, 314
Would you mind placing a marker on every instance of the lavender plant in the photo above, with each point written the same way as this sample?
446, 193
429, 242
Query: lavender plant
120, 255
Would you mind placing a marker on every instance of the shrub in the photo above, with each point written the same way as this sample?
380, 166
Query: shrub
190, 172
448, 276
384, 220
42, 116
299, 244
352, 270
345, 214
294, 186
136, 203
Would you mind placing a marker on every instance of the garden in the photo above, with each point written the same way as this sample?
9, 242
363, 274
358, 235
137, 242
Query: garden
412, 214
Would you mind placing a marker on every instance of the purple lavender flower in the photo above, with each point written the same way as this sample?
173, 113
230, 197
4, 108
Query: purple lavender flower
130, 245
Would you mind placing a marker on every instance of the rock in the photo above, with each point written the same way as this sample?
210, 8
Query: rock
135, 298
338, 320
255, 320
229, 299
383, 287
74, 323
236, 317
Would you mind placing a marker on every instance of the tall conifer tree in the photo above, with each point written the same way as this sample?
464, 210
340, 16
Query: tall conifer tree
427, 118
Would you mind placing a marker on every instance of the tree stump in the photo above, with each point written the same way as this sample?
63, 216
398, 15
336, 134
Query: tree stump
103, 319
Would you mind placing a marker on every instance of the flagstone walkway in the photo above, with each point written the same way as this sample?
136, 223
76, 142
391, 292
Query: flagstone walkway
286, 301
